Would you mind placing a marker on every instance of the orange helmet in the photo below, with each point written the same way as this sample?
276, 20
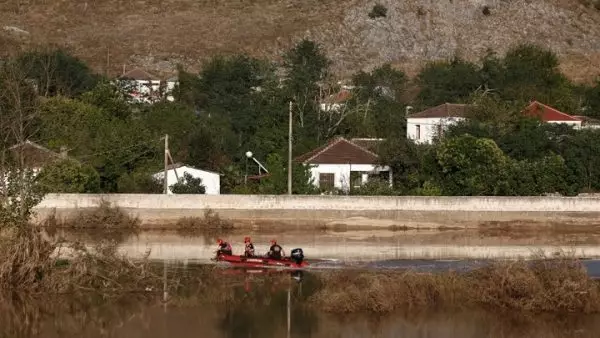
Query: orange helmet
247, 240
219, 241
273, 241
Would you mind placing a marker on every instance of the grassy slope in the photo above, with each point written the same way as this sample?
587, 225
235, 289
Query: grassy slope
158, 34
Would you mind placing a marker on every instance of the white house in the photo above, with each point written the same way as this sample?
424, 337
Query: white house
148, 88
171, 84
424, 126
343, 164
210, 180
144, 86
337, 101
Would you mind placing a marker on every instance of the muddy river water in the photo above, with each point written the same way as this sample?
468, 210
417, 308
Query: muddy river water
257, 311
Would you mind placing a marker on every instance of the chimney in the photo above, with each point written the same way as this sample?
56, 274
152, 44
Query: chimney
408, 110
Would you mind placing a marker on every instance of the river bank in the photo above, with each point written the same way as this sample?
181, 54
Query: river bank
359, 212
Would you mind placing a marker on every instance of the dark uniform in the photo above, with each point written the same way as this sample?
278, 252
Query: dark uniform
275, 252
224, 248
249, 251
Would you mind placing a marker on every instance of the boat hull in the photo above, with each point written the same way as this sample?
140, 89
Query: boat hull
260, 262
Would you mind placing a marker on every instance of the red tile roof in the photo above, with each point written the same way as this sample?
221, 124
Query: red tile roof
340, 97
547, 113
371, 144
443, 110
339, 151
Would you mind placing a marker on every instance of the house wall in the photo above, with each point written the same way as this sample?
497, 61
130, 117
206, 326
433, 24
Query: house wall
575, 124
211, 181
342, 173
428, 127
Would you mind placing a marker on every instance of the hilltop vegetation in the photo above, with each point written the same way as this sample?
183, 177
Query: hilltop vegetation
159, 34
238, 103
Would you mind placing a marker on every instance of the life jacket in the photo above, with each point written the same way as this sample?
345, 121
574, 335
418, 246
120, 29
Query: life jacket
225, 246
249, 248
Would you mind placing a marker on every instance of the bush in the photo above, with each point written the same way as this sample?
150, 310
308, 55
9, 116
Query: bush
188, 185
104, 217
378, 11
211, 221
558, 285
69, 176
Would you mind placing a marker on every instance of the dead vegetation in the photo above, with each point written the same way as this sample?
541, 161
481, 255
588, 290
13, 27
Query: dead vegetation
105, 217
29, 262
196, 225
560, 285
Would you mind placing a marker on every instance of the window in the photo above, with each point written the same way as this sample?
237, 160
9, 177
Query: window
356, 178
326, 181
418, 133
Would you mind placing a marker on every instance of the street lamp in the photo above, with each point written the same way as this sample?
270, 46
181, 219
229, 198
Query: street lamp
248, 155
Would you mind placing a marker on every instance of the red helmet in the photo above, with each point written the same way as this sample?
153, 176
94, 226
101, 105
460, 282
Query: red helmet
273, 241
219, 241
247, 240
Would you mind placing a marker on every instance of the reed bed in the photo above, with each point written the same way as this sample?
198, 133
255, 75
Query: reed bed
556, 285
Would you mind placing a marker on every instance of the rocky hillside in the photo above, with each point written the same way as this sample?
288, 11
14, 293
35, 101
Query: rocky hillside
158, 34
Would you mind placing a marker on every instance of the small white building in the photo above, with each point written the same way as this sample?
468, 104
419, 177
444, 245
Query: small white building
336, 102
210, 180
424, 126
144, 86
341, 164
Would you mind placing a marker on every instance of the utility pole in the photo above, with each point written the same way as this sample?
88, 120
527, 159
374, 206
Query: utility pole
166, 184
290, 152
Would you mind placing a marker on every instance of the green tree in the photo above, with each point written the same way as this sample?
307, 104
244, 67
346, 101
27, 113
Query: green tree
580, 151
276, 182
69, 176
306, 67
111, 98
537, 177
374, 187
471, 166
58, 73
375, 109
139, 182
405, 159
530, 72
188, 184
451, 82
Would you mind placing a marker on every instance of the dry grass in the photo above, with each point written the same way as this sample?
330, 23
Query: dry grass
105, 217
31, 263
146, 33
195, 225
544, 286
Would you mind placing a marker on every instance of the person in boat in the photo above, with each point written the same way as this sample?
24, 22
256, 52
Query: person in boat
224, 248
249, 250
275, 251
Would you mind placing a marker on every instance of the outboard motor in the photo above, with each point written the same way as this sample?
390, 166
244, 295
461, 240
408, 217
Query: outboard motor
297, 255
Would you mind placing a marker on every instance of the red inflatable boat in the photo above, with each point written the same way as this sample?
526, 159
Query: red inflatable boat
295, 262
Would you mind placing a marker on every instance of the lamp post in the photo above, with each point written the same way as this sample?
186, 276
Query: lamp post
248, 155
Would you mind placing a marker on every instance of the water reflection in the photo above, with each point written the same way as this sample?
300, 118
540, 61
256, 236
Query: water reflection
254, 304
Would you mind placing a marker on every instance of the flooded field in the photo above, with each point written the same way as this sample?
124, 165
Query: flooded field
282, 304
253, 308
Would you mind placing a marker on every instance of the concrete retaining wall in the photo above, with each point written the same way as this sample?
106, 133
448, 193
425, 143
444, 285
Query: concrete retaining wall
343, 210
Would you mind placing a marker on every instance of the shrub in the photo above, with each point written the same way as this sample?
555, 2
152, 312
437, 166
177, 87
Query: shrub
378, 11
